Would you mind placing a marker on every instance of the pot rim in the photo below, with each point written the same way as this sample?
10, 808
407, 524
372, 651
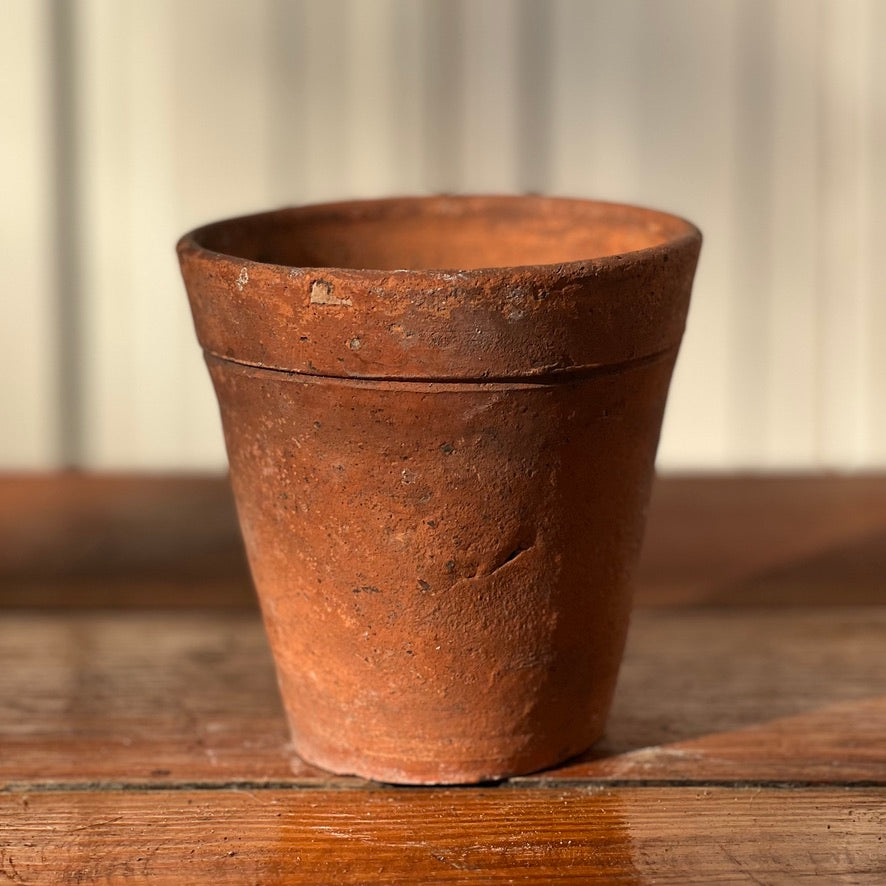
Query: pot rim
481, 323
685, 233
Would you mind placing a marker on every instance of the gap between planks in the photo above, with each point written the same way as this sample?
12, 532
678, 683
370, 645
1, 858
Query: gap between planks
518, 783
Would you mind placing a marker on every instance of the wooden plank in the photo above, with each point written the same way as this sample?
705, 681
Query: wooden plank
766, 540
118, 540
130, 540
755, 695
473, 836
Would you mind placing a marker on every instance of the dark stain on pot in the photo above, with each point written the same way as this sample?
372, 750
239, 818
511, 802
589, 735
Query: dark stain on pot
614, 410
399, 329
447, 448
367, 589
423, 585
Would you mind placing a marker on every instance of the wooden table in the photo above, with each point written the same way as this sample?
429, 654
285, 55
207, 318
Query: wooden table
141, 736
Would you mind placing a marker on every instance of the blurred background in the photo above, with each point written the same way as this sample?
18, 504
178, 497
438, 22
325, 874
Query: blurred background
127, 122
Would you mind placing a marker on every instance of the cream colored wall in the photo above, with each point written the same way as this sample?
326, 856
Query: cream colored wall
127, 122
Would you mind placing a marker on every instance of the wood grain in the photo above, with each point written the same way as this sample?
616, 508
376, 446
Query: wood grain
765, 541
73, 539
142, 739
704, 695
78, 539
478, 836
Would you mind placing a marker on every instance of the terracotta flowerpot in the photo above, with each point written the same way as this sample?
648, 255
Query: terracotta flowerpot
442, 475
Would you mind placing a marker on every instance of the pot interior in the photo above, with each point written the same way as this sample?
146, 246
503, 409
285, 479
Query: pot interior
443, 233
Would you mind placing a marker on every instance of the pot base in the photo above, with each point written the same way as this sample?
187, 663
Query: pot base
343, 761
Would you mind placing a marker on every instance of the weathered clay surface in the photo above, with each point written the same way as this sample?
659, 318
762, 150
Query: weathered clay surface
442, 475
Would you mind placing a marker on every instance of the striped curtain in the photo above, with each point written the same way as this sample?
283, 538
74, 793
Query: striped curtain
127, 122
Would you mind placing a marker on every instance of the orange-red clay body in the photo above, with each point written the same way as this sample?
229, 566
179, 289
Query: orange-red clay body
441, 416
